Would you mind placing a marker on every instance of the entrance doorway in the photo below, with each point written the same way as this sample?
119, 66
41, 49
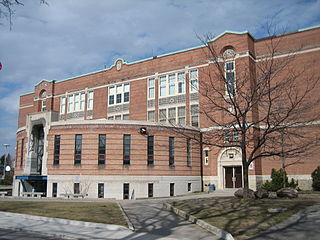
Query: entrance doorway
233, 177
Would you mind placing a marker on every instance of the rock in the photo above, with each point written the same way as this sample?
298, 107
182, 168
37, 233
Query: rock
272, 195
261, 193
239, 193
276, 210
287, 192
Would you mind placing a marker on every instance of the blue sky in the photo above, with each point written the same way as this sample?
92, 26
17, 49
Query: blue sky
72, 37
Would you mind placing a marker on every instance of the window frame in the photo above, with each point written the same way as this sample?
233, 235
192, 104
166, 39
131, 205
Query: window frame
192, 88
56, 149
90, 100
102, 149
153, 86
194, 115
189, 152
77, 149
74, 102
171, 152
123, 94
63, 101
150, 150
167, 84
233, 71
126, 149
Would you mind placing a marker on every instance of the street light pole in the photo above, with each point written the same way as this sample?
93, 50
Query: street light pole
5, 160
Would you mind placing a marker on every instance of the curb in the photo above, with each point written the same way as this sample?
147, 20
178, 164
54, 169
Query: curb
65, 221
125, 216
217, 231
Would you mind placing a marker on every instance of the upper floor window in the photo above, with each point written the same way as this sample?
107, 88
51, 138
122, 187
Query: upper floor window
171, 151
62, 105
176, 115
172, 84
102, 149
194, 115
231, 135
76, 102
151, 84
206, 156
77, 149
151, 116
126, 149
119, 94
230, 78
189, 152
56, 151
43, 105
150, 148
194, 80
90, 100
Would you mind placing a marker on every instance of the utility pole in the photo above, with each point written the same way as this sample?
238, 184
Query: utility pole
5, 167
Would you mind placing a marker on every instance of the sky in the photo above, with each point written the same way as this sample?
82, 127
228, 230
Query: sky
67, 38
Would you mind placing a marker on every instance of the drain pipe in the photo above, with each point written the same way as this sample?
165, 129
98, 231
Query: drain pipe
201, 161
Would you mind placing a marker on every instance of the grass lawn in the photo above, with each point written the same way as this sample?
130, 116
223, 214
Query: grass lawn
243, 217
108, 213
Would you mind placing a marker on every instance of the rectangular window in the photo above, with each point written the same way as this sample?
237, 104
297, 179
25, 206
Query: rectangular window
163, 115
126, 191
193, 81
56, 155
111, 118
125, 117
226, 136
150, 190
206, 157
100, 190
102, 149
62, 105
171, 189
119, 94
54, 189
189, 152
163, 86
189, 187
126, 149
172, 115
76, 102
235, 135
181, 115
230, 78
82, 101
150, 150
117, 117
70, 103
194, 115
181, 82
171, 151
90, 100
43, 105
151, 84
77, 149
76, 188
151, 116
22, 152
172, 84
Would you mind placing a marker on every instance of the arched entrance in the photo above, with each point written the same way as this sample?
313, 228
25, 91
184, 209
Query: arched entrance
230, 168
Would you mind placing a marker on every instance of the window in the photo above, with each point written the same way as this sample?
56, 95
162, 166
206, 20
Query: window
193, 81
189, 187
206, 156
76, 102
231, 135
194, 115
189, 152
172, 84
235, 135
76, 188
56, 154
151, 116
176, 115
126, 191
102, 149
22, 152
119, 117
43, 105
150, 189
226, 135
125, 117
62, 105
171, 189
230, 78
126, 149
100, 190
150, 148
171, 151
181, 115
151, 84
77, 149
90, 100
54, 189
119, 94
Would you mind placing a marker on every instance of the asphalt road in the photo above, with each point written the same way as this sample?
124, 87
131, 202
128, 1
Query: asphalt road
23, 235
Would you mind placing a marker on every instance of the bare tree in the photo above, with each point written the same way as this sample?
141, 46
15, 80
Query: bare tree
7, 8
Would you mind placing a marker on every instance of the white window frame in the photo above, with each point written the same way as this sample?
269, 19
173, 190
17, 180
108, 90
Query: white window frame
148, 119
151, 86
191, 79
63, 105
174, 84
206, 158
234, 80
44, 105
90, 100
194, 115
176, 117
119, 116
125, 88
76, 102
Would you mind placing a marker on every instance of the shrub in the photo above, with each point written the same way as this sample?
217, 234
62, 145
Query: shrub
316, 179
279, 179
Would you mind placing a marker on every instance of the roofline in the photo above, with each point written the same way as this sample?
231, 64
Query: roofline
29, 93
179, 51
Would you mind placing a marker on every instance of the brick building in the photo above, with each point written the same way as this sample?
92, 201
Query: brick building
124, 131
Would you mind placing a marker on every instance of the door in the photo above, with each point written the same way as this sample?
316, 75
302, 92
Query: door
228, 173
233, 177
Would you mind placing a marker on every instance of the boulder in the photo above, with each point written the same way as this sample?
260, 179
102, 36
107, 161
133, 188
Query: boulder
261, 193
272, 195
240, 192
287, 192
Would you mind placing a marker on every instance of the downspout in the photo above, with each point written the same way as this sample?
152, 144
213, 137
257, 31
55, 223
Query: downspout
201, 161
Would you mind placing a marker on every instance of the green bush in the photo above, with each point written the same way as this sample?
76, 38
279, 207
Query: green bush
279, 179
316, 179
